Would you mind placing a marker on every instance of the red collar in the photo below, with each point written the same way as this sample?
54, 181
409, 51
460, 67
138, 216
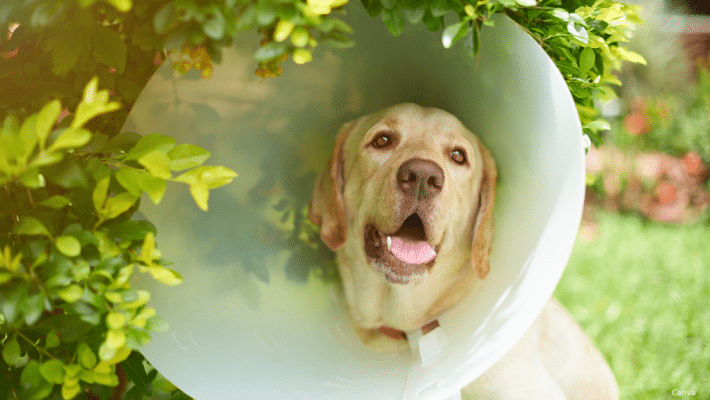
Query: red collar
398, 334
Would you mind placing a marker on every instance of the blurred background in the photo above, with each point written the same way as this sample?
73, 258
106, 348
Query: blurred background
638, 279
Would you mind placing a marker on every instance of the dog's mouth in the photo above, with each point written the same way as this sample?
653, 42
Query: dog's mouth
403, 256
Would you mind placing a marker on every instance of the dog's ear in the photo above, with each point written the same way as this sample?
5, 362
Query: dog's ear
483, 227
326, 208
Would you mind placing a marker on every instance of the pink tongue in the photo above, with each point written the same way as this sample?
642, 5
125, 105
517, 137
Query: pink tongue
412, 252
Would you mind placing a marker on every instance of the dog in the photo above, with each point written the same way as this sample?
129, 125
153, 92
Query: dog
407, 205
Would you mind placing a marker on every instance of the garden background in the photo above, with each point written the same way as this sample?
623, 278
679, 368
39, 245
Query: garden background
637, 280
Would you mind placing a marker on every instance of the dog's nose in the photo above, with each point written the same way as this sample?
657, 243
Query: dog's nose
419, 178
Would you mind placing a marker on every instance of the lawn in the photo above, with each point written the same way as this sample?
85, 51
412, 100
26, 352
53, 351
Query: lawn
642, 292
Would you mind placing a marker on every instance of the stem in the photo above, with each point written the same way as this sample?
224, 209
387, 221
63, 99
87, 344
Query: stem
40, 349
12, 202
118, 164
29, 195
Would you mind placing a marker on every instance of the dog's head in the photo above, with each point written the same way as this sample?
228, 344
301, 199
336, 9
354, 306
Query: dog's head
407, 203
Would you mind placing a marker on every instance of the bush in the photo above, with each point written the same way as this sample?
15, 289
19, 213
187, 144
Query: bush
671, 124
69, 245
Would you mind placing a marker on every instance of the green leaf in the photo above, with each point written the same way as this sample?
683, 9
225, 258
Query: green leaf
148, 249
97, 142
121, 5
69, 46
53, 371
121, 143
148, 143
71, 293
55, 202
394, 21
68, 245
214, 27
210, 176
115, 320
68, 174
438, 7
166, 276
586, 60
88, 377
28, 134
108, 47
30, 226
33, 309
5, 277
70, 391
165, 18
330, 23
265, 13
30, 376
137, 182
135, 370
270, 51
71, 138
246, 18
631, 56
388, 4
106, 352
51, 339
10, 137
11, 351
415, 12
135, 339
118, 204
87, 358
32, 179
128, 178
130, 229
186, 156
432, 23
32, 386
156, 324
374, 8
599, 124
100, 193
157, 163
115, 339
46, 158
561, 14
454, 32
81, 270
94, 102
201, 194
72, 371
46, 119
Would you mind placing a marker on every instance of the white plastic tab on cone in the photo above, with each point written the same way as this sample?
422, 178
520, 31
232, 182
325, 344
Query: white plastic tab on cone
428, 347
260, 314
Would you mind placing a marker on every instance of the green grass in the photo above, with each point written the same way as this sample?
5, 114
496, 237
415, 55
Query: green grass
642, 292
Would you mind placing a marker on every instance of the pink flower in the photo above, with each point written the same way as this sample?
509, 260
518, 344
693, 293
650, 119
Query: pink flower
637, 124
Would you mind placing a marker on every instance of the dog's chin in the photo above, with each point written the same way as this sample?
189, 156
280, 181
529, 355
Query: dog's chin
400, 273
382, 259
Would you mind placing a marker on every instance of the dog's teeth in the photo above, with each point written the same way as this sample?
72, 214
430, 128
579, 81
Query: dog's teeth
389, 243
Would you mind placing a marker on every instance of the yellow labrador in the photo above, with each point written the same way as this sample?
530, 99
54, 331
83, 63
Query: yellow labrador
407, 204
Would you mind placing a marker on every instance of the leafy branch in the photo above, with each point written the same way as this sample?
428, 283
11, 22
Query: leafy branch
68, 255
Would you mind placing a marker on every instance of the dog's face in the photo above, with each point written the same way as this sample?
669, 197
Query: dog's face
407, 205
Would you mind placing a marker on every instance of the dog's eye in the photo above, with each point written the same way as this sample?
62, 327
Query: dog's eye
381, 140
458, 156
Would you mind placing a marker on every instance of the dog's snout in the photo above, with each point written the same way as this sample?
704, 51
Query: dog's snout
419, 178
